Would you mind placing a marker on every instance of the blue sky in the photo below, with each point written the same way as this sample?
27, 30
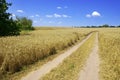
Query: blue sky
68, 12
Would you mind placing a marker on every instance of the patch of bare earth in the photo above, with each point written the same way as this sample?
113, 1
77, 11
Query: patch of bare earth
91, 69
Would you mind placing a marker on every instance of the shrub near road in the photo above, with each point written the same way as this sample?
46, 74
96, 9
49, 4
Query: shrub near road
110, 54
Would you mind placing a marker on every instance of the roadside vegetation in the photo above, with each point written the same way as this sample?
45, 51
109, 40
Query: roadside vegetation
24, 23
70, 68
109, 42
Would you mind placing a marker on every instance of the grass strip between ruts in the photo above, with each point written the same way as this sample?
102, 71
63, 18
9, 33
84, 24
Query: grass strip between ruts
70, 68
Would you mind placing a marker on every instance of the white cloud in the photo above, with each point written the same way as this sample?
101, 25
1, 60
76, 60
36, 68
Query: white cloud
49, 16
65, 7
66, 16
59, 7
37, 21
20, 11
88, 15
57, 15
13, 15
37, 15
32, 16
96, 14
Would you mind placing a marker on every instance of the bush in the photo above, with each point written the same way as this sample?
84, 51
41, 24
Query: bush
105, 25
24, 23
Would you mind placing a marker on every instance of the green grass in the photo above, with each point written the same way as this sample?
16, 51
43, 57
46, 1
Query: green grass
70, 68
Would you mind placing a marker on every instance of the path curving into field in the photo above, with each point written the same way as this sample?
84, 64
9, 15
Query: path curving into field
46, 68
91, 69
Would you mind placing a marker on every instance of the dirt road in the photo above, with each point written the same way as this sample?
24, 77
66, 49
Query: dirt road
46, 68
91, 69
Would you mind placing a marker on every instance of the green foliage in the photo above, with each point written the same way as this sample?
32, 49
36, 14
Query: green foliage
24, 23
7, 25
105, 25
93, 26
119, 26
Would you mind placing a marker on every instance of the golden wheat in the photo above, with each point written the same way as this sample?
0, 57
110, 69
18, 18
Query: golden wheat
110, 54
15, 52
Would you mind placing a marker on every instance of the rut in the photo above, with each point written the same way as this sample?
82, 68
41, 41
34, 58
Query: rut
91, 69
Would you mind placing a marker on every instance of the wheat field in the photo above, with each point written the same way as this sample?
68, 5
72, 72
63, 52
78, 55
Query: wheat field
109, 43
17, 51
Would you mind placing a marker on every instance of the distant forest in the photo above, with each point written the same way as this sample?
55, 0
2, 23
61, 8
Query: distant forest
103, 26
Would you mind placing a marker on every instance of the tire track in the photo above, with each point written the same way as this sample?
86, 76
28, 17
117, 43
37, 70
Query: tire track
46, 68
91, 69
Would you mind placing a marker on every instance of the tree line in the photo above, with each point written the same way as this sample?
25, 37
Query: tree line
9, 26
103, 26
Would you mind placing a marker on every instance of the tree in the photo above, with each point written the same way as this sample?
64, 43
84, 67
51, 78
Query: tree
112, 26
119, 26
7, 24
93, 26
24, 23
88, 27
105, 25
